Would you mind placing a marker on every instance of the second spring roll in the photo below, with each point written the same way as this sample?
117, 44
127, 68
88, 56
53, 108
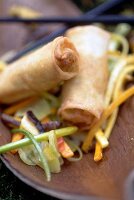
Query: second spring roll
83, 95
39, 71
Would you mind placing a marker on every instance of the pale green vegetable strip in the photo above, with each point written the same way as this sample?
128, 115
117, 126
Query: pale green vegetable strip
41, 108
53, 143
74, 148
113, 79
117, 39
39, 138
123, 29
42, 157
53, 160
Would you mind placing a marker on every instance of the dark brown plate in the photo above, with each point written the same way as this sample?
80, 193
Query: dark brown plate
85, 179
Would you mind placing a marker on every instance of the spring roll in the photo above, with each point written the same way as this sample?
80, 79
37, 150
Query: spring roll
83, 95
39, 71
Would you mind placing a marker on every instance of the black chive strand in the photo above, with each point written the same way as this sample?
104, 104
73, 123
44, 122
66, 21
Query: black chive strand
7, 119
51, 125
35, 121
47, 126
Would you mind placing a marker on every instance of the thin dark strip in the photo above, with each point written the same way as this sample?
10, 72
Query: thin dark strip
73, 20
35, 121
52, 125
8, 119
37, 44
96, 11
107, 5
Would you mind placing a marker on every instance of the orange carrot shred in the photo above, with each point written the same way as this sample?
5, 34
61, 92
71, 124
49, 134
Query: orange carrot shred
60, 144
16, 137
98, 152
116, 103
15, 107
45, 119
64, 149
67, 153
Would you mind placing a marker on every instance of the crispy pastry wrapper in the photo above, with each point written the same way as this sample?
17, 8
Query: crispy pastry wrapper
83, 95
39, 71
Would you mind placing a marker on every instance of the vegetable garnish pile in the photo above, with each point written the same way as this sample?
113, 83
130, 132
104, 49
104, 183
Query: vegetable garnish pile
39, 142
80, 109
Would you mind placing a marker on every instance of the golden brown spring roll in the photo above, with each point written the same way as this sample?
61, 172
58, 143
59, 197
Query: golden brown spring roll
83, 95
39, 71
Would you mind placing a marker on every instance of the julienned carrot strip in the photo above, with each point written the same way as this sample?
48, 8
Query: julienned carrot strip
67, 153
64, 149
100, 137
16, 137
45, 119
111, 122
53, 111
118, 90
60, 144
123, 97
98, 152
15, 107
